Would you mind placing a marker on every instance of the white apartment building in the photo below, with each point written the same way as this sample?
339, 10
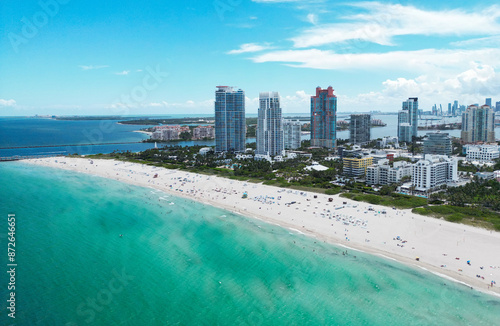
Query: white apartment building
433, 171
269, 125
482, 153
383, 174
292, 133
201, 132
386, 141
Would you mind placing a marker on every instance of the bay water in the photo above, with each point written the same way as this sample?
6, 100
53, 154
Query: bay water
94, 251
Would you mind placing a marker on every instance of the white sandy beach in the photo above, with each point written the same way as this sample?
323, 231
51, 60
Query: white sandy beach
149, 133
442, 247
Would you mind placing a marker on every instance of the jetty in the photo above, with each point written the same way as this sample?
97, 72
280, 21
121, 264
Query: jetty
26, 157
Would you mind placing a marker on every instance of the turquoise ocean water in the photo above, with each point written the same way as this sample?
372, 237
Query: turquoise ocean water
190, 264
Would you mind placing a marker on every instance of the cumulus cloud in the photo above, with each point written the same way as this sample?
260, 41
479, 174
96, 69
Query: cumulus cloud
470, 86
10, 102
382, 22
251, 104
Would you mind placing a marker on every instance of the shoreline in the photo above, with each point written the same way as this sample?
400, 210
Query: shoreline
436, 242
143, 132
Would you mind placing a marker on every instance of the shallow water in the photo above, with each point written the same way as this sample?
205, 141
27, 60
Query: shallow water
192, 264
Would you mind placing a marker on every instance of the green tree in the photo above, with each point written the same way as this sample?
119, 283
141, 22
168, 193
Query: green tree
185, 135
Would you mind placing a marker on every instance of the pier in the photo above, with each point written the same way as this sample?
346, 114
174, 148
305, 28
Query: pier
26, 157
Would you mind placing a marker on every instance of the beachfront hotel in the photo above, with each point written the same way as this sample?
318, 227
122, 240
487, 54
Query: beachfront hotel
433, 171
382, 173
356, 165
478, 125
324, 118
408, 120
230, 129
269, 125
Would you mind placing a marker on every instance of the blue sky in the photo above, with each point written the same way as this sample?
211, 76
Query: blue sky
163, 57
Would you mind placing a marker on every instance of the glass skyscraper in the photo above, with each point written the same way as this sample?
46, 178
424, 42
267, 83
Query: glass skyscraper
230, 128
269, 125
438, 143
359, 128
324, 118
478, 125
408, 120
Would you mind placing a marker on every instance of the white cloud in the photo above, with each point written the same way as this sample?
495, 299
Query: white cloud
123, 73
420, 61
470, 86
92, 67
297, 102
251, 47
382, 22
10, 102
312, 18
300, 101
482, 42
251, 104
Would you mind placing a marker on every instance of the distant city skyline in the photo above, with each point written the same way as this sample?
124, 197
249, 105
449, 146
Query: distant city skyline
64, 57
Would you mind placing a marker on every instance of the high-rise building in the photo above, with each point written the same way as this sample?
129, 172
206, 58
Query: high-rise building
230, 129
449, 108
434, 171
292, 133
359, 128
488, 102
408, 120
478, 125
324, 118
269, 125
454, 109
437, 143
497, 107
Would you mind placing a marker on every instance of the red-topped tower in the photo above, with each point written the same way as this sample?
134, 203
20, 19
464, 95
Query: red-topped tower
324, 118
